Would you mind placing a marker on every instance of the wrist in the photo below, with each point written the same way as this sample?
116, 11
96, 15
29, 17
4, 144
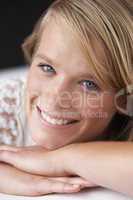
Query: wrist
61, 160
69, 158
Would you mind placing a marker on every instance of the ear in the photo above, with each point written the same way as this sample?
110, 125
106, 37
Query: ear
124, 104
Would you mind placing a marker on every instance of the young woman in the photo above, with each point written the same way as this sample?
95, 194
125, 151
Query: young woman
76, 104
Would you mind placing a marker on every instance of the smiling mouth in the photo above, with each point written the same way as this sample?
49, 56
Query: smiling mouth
55, 121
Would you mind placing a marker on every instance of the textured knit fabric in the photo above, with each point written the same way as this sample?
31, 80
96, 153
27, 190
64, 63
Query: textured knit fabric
12, 113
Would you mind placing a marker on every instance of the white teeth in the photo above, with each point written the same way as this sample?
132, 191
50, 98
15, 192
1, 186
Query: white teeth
52, 120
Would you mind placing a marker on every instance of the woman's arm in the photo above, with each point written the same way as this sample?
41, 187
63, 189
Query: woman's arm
107, 164
17, 182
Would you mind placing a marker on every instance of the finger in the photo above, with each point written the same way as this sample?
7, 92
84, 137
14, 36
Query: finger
76, 180
35, 148
16, 149
9, 148
52, 186
72, 180
10, 157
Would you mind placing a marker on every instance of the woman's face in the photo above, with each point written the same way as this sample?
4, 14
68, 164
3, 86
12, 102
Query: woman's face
65, 103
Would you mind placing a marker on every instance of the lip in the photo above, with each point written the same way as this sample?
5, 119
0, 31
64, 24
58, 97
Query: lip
56, 116
46, 124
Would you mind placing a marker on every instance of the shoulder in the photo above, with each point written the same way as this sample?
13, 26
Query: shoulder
10, 94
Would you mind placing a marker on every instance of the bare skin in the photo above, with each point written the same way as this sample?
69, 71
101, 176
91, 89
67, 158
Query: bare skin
103, 163
17, 181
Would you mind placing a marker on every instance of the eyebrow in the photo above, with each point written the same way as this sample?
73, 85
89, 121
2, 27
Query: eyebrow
53, 63
46, 58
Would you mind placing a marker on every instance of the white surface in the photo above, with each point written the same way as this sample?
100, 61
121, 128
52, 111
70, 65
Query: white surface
14, 72
90, 194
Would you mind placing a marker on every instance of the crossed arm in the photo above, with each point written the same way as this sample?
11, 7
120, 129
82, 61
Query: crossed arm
106, 164
17, 181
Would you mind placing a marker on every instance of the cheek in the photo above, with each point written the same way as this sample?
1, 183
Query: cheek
98, 113
102, 104
95, 123
33, 81
33, 91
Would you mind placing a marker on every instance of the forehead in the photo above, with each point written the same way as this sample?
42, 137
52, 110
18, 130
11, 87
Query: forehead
57, 39
60, 44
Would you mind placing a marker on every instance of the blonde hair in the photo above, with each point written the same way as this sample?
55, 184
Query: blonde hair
109, 22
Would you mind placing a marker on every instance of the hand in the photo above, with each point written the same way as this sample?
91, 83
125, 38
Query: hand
33, 159
37, 160
16, 182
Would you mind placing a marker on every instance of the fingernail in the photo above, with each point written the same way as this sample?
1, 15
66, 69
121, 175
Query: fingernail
72, 187
86, 183
76, 186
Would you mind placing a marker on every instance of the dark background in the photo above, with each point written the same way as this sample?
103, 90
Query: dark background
17, 19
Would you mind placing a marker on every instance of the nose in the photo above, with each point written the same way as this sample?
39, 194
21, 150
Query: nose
57, 95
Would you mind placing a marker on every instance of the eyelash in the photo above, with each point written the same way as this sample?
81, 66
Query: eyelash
46, 65
93, 87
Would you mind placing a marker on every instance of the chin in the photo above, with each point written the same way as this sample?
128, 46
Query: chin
47, 143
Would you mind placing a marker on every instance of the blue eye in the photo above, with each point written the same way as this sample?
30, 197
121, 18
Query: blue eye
89, 85
46, 68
